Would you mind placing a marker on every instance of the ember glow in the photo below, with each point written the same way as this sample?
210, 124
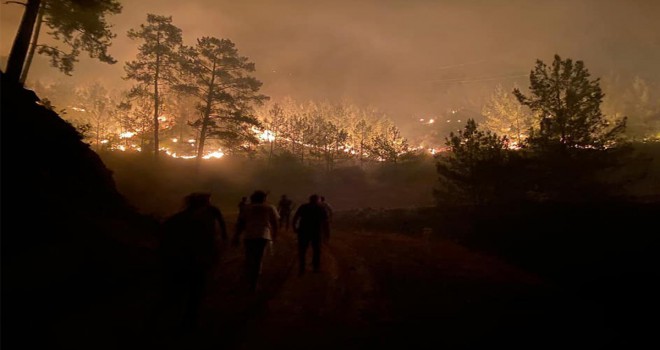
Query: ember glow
267, 135
216, 154
125, 148
174, 155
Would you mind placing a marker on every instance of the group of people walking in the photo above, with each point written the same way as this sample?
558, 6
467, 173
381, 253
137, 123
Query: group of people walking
260, 222
192, 239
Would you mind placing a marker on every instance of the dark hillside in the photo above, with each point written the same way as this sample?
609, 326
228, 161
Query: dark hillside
68, 237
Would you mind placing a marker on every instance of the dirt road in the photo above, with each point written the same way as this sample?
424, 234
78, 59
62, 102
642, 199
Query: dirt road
374, 289
379, 289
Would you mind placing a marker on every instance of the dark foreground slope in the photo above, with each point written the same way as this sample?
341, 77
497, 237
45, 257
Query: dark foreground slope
68, 238
603, 255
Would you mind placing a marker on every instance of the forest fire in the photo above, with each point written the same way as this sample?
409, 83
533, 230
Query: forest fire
216, 155
461, 182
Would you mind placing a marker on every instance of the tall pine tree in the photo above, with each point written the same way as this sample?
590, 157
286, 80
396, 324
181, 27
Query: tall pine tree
158, 61
221, 79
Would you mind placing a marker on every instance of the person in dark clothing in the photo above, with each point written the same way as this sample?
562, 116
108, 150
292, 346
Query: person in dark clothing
310, 223
190, 247
242, 204
284, 209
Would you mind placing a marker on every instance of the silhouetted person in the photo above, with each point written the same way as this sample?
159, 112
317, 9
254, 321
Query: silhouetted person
242, 204
284, 209
310, 222
327, 207
259, 223
190, 247
329, 211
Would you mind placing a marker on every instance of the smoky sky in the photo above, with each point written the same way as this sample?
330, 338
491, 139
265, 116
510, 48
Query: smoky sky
408, 58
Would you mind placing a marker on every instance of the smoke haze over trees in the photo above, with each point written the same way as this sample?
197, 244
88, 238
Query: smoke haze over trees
451, 54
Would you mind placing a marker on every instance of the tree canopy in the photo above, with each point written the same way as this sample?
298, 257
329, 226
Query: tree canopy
80, 25
221, 80
568, 155
470, 170
568, 105
506, 116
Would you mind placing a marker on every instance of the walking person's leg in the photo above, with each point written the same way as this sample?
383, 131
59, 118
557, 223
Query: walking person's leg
248, 261
316, 253
197, 285
254, 249
303, 243
285, 217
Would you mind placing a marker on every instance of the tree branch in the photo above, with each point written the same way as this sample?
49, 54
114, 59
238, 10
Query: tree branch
81, 31
54, 48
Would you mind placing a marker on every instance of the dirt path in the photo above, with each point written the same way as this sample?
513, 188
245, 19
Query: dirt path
374, 290
393, 290
327, 310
